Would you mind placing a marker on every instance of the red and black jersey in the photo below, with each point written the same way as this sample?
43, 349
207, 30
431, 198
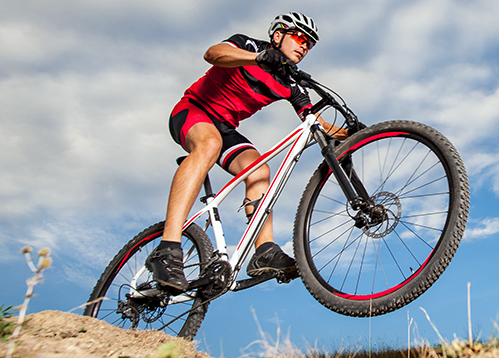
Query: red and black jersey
233, 94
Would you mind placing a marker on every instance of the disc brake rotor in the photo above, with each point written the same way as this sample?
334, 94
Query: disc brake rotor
384, 215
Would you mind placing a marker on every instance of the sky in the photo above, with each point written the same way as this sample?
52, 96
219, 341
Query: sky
86, 89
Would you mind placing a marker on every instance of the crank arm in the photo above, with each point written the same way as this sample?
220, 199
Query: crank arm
250, 282
200, 282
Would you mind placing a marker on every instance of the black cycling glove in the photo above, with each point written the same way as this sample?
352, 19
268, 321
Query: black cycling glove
274, 61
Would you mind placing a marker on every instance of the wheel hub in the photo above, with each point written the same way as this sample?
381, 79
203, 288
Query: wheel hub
380, 219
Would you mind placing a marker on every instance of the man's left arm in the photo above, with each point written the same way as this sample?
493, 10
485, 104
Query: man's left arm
335, 131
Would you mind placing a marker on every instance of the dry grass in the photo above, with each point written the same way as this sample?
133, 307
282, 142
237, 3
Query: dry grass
282, 346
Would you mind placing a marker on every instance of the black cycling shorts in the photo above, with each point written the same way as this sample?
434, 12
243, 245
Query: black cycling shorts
188, 112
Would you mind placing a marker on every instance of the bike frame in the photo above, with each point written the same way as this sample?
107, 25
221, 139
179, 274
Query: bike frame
298, 140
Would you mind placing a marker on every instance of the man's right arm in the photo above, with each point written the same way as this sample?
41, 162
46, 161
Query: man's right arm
225, 55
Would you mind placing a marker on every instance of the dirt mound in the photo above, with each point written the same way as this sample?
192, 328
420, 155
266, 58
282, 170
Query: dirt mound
54, 334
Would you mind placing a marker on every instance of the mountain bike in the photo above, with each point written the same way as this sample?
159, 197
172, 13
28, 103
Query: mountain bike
378, 223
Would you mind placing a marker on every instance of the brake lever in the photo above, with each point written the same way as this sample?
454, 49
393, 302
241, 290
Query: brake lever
351, 120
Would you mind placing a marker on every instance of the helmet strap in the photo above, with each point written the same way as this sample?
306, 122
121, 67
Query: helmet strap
278, 46
282, 40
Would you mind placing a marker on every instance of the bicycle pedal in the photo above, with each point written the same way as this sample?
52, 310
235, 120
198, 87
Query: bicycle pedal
283, 278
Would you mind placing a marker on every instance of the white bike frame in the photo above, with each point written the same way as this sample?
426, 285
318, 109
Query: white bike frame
299, 139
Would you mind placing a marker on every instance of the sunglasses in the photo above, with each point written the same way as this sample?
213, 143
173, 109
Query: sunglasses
300, 38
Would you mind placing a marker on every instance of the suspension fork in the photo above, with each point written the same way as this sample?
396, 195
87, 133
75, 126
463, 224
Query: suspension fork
352, 186
347, 165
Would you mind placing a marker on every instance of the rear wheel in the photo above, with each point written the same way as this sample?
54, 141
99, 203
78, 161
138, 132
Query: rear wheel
119, 297
376, 261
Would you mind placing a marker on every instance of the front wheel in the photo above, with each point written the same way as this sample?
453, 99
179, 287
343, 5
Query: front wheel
125, 294
376, 261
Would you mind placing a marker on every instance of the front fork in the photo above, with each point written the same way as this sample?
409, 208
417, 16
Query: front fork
352, 187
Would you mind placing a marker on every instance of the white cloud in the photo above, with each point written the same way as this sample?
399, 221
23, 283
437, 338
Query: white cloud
483, 229
87, 87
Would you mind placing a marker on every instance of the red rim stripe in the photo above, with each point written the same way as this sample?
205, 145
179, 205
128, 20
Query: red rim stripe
150, 237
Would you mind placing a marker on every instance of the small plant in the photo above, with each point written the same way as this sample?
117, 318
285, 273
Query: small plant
44, 262
6, 327
168, 350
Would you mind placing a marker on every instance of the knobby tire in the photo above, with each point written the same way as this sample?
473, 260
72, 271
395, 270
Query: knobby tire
114, 284
417, 175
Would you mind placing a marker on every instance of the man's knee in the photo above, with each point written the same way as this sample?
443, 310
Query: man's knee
208, 152
210, 146
204, 141
260, 175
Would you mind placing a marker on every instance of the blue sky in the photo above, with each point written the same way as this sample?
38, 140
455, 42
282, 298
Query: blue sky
86, 159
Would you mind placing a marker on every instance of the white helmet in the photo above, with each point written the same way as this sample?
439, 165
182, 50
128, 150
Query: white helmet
295, 20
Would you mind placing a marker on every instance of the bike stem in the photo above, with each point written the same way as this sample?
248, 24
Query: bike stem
327, 150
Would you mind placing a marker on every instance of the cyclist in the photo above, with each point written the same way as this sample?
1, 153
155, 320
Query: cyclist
247, 74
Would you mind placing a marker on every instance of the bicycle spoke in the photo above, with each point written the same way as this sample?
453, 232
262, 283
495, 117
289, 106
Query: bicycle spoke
425, 195
333, 200
423, 186
424, 214
421, 226
393, 257
395, 165
329, 231
343, 214
351, 263
345, 246
361, 266
378, 261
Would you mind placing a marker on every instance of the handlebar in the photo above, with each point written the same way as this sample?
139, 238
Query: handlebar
327, 99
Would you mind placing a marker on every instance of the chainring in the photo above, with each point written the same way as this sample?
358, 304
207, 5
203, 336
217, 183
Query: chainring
220, 274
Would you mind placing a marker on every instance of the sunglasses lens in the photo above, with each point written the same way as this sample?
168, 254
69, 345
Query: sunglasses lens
301, 39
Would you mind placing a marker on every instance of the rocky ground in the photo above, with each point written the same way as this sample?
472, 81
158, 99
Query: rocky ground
54, 334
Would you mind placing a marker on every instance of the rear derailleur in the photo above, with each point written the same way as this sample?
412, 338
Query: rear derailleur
146, 307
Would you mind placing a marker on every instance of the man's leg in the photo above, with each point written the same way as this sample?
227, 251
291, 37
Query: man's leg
203, 142
256, 184
268, 256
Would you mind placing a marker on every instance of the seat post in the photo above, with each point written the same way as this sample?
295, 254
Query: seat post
207, 186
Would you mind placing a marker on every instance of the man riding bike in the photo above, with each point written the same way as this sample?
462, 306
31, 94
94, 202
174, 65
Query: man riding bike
247, 74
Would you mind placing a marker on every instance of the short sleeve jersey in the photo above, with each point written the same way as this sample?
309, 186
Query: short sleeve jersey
233, 94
